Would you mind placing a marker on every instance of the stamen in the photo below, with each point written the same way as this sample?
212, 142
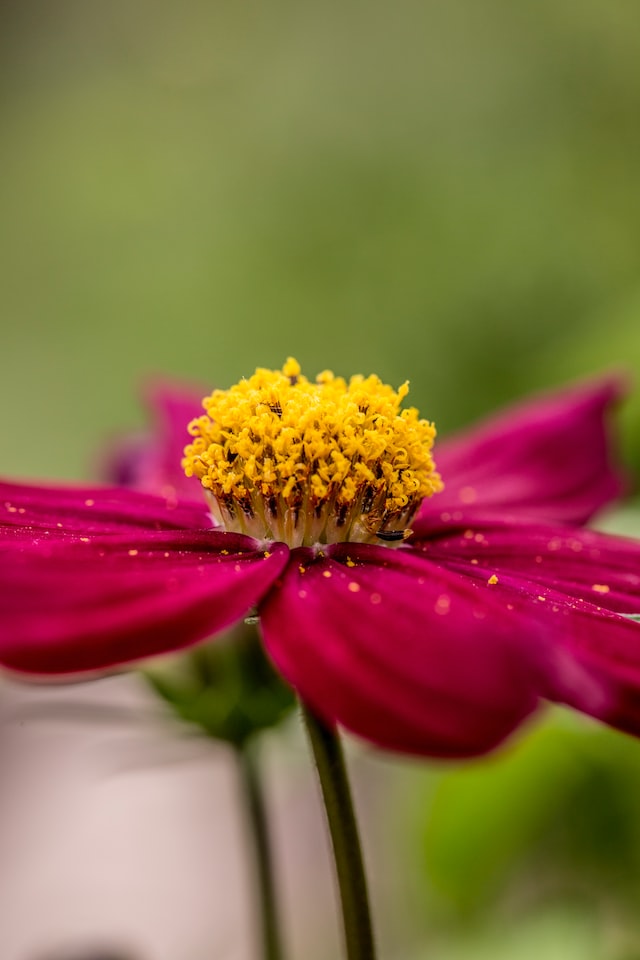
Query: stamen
285, 459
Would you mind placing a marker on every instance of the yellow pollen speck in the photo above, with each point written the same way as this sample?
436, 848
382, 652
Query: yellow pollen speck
133, 553
266, 554
354, 587
350, 562
59, 525
327, 574
469, 534
474, 562
492, 579
85, 540
600, 588
225, 553
302, 569
89, 503
283, 458
443, 604
543, 599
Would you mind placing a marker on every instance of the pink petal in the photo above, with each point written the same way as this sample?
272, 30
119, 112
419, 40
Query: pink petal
602, 569
70, 607
398, 650
30, 511
594, 659
590, 654
151, 462
550, 459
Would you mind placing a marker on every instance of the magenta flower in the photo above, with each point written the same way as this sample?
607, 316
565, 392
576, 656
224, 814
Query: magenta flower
426, 620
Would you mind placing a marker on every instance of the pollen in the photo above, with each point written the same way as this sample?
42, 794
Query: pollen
284, 458
443, 604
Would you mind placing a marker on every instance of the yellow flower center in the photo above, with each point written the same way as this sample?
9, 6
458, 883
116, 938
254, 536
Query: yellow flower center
285, 459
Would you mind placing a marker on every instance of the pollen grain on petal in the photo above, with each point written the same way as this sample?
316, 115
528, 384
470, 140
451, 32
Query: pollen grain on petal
443, 604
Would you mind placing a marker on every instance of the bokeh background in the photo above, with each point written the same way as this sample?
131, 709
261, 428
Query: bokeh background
441, 192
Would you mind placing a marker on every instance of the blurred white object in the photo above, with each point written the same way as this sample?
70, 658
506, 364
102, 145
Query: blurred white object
120, 832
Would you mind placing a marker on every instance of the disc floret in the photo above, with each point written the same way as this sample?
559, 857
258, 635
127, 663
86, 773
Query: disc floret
282, 458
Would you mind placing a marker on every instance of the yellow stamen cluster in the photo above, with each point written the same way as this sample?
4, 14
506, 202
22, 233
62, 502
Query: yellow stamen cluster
306, 463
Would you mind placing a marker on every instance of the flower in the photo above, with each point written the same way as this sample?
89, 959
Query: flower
431, 626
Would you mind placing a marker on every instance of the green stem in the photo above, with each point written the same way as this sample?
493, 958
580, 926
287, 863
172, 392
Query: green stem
332, 773
256, 813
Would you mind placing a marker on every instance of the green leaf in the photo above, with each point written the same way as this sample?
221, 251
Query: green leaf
228, 688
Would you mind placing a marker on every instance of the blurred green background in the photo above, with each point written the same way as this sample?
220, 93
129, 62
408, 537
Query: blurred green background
441, 192
444, 192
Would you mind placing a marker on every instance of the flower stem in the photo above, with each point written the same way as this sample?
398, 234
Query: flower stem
336, 793
256, 814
